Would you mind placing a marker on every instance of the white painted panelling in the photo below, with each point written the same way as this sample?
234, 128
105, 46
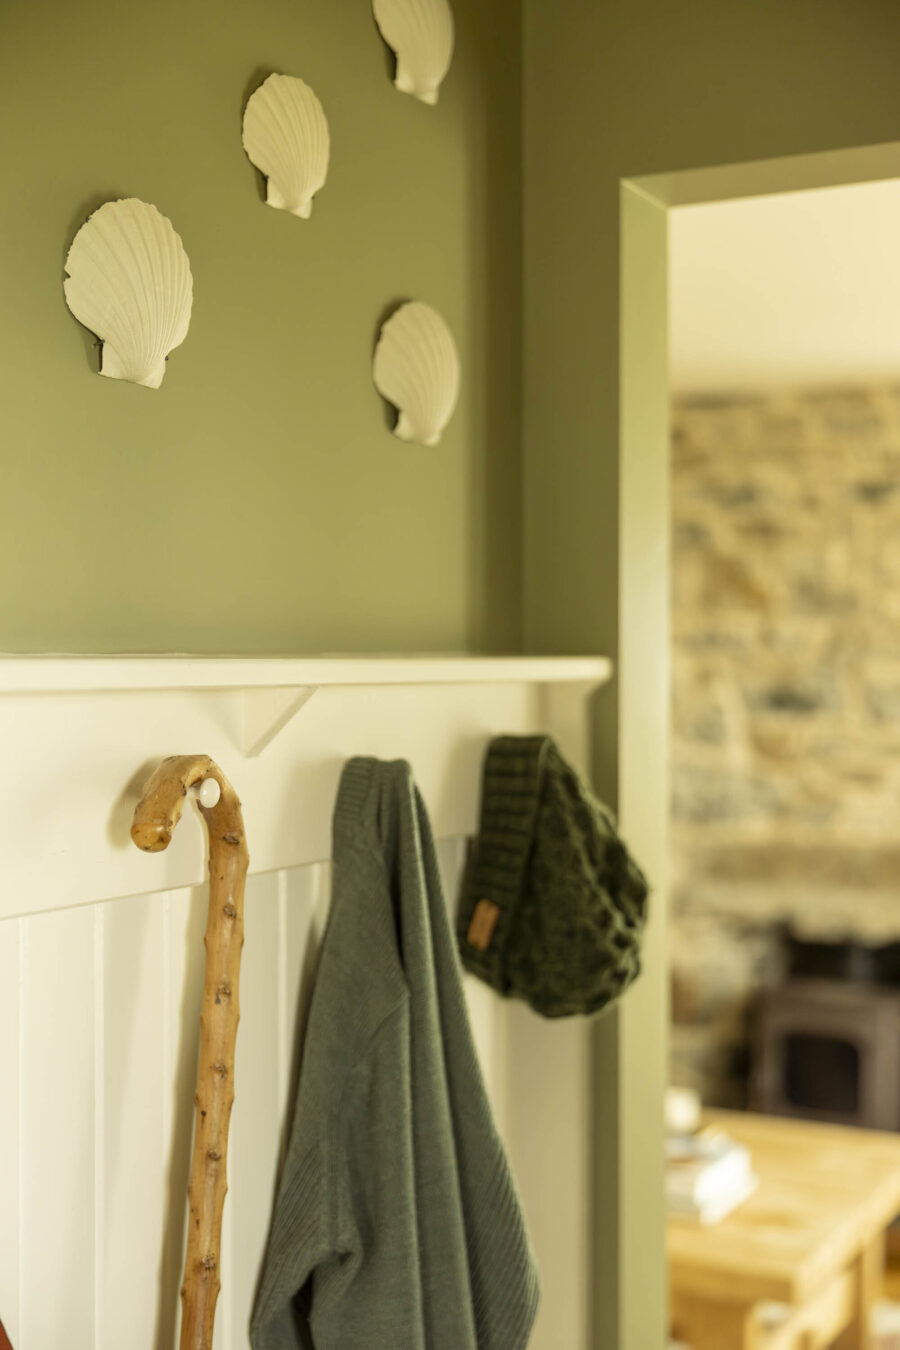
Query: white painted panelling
10, 937
186, 923
537, 1074
100, 996
57, 1257
548, 1100
487, 1012
451, 859
130, 1003
488, 1015
305, 894
82, 760
110, 999
256, 1117
101, 1136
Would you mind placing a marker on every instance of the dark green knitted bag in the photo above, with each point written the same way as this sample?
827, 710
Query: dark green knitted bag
553, 906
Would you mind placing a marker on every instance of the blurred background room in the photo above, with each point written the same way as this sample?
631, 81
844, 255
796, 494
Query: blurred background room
785, 919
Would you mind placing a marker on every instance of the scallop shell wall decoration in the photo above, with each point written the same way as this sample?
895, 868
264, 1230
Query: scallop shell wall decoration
416, 368
421, 33
286, 136
129, 281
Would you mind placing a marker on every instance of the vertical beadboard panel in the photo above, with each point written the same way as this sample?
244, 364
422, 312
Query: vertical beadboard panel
132, 1155
10, 992
104, 1003
488, 1018
184, 959
451, 857
98, 946
58, 1172
305, 898
487, 1012
548, 1068
255, 1121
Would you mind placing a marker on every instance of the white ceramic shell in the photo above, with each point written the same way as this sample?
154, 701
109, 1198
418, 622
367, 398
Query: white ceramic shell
129, 281
421, 33
286, 136
416, 368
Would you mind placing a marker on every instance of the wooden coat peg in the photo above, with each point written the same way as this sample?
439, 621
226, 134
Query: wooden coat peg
155, 818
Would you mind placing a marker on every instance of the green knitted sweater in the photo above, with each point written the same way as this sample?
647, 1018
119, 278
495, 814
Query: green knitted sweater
396, 1213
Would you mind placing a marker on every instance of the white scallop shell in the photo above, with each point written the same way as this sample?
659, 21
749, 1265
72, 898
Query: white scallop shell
286, 136
416, 368
129, 281
421, 33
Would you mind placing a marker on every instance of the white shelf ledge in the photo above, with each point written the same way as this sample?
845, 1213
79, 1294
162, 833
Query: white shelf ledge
94, 674
274, 689
81, 736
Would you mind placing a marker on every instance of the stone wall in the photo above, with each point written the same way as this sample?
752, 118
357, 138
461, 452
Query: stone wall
786, 704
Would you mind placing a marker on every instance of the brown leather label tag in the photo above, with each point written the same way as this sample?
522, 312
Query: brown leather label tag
484, 921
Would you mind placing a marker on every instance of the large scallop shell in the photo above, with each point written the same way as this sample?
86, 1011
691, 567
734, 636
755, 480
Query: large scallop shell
286, 136
129, 281
417, 369
421, 33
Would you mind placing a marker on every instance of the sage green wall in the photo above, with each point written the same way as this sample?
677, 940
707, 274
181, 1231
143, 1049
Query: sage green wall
616, 90
257, 502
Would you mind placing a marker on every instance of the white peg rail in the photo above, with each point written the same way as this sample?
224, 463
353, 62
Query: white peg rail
81, 736
101, 964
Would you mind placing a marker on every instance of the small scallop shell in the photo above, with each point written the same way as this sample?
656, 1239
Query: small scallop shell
421, 33
416, 368
286, 137
129, 281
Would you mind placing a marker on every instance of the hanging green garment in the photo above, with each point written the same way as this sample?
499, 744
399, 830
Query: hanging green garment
396, 1215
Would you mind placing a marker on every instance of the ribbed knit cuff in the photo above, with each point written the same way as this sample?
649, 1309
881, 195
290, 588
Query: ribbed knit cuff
495, 877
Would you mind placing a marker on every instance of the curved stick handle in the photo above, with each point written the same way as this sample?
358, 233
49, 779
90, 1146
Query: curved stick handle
155, 818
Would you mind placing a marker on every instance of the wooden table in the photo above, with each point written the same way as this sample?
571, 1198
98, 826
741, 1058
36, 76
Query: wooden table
812, 1238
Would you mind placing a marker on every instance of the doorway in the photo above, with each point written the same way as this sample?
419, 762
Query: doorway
645, 489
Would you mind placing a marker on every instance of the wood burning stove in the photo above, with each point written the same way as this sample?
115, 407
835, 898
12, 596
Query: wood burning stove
826, 1043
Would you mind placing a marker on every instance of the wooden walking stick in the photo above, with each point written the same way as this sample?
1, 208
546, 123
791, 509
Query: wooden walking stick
155, 818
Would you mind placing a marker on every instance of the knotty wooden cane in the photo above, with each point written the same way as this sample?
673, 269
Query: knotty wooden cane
155, 818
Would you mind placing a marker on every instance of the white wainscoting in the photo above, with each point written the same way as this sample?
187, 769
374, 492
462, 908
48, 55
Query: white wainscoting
99, 1007
100, 994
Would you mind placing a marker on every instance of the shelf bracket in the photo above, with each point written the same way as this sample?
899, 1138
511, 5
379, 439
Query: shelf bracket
266, 712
